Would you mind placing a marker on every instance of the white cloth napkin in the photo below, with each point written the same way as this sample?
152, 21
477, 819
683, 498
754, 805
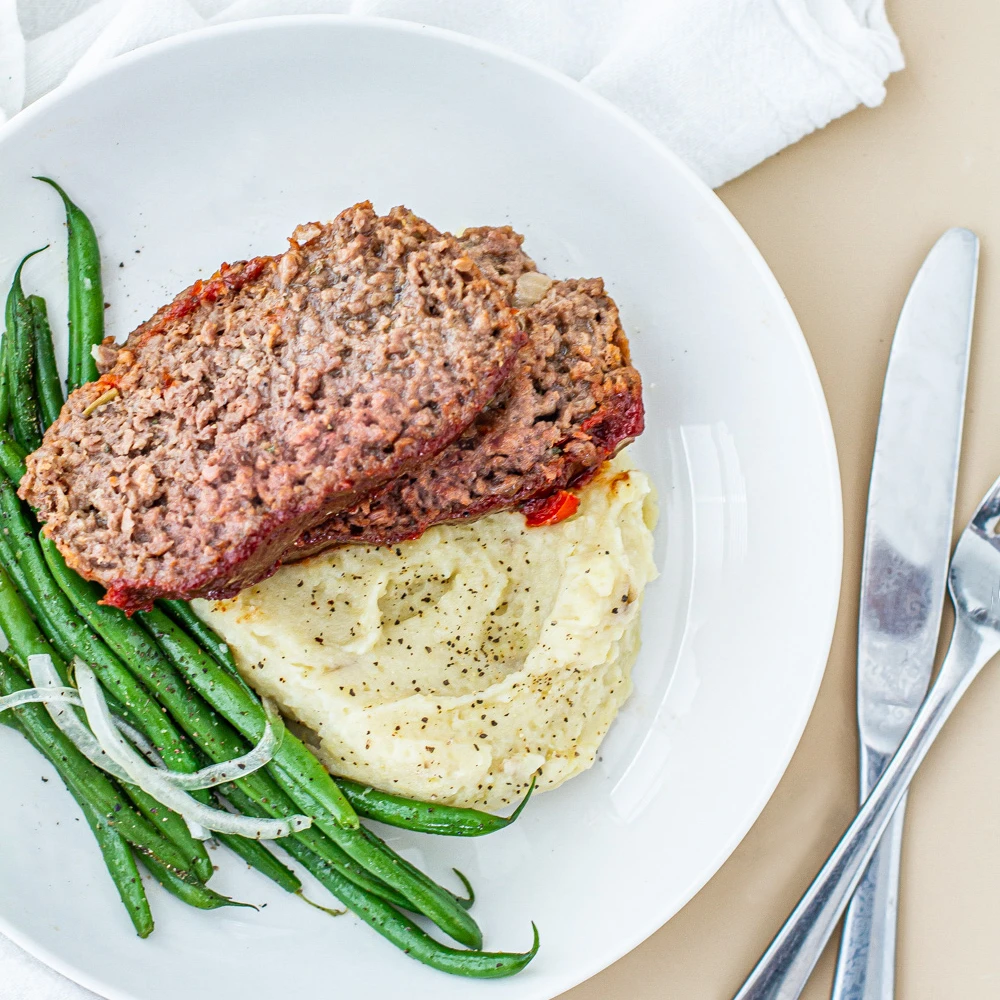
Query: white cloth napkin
726, 83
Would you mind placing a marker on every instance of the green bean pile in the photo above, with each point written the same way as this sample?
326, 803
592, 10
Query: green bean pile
174, 680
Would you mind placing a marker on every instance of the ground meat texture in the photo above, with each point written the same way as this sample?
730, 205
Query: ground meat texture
263, 401
573, 400
499, 256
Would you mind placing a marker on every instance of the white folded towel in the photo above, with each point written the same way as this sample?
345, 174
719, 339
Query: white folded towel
725, 83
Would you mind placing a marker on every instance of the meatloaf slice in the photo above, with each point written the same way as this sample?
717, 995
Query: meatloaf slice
572, 401
259, 403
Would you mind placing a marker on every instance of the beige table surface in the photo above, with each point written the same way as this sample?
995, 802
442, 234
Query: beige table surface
844, 219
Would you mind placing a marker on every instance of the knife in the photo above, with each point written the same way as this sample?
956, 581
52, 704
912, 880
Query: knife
911, 506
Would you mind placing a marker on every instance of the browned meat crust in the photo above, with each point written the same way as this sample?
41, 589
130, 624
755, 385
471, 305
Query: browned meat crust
572, 401
263, 401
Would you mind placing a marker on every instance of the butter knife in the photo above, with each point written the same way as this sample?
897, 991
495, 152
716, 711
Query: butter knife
911, 506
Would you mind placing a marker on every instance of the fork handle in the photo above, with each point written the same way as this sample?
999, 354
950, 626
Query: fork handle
866, 964
782, 972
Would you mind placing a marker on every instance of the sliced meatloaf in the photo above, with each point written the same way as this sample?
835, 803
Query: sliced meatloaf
572, 401
259, 403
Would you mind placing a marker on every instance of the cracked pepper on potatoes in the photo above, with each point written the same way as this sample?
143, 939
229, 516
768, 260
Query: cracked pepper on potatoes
454, 667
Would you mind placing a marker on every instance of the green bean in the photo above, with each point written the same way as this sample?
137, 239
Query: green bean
83, 778
38, 605
425, 817
232, 701
193, 893
86, 294
20, 357
422, 893
12, 456
118, 857
469, 900
187, 675
75, 634
50, 394
204, 635
407, 936
319, 866
261, 795
25, 639
120, 862
175, 829
256, 855
4, 380
252, 797
398, 859
59, 620
142, 657
416, 873
145, 660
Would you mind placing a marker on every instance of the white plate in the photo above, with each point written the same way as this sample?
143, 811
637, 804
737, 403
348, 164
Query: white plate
212, 148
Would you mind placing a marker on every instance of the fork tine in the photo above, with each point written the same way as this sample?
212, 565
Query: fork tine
986, 516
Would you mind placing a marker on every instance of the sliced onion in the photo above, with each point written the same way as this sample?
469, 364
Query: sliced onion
112, 754
238, 767
44, 696
155, 782
70, 696
44, 675
139, 741
198, 831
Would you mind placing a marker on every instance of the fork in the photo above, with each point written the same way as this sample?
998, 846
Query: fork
974, 586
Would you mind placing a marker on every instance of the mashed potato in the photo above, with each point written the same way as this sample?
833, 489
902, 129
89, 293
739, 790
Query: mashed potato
454, 667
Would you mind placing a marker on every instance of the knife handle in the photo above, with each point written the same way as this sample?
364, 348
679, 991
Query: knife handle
866, 964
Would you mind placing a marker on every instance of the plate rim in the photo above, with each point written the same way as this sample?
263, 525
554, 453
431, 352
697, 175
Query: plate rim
791, 329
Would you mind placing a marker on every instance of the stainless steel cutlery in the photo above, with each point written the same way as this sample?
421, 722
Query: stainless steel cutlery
908, 532
907, 539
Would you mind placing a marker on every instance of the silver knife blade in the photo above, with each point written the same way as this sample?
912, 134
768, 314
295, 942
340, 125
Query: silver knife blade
911, 499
